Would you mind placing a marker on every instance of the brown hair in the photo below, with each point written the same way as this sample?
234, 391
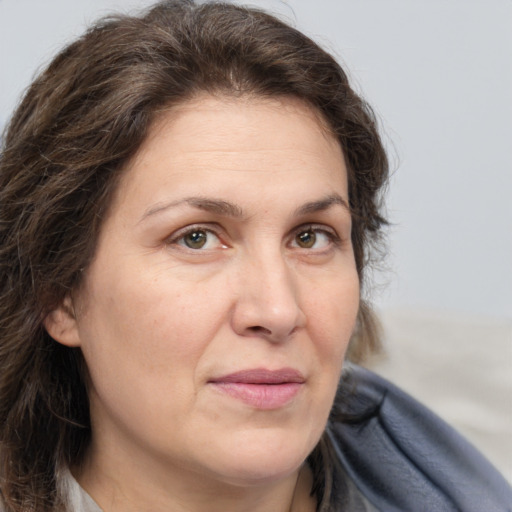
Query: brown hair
78, 125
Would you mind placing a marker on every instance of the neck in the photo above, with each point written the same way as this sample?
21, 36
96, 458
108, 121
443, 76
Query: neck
116, 490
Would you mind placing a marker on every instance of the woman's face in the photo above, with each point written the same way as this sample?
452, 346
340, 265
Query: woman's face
215, 316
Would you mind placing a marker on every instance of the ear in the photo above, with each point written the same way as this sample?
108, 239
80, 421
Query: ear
61, 324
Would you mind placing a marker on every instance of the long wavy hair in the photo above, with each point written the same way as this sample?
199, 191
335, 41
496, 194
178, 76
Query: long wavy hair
68, 142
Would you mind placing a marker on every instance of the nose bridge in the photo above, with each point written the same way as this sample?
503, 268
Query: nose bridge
274, 276
268, 301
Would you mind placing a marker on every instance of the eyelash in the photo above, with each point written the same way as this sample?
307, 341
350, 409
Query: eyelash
331, 234
182, 233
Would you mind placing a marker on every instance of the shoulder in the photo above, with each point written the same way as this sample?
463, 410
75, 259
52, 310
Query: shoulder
76, 499
401, 456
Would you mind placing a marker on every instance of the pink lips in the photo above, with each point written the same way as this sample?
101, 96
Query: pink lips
261, 388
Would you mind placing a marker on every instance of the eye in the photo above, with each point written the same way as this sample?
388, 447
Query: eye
306, 239
198, 238
313, 238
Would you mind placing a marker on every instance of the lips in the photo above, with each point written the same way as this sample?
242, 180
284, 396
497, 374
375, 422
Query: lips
261, 388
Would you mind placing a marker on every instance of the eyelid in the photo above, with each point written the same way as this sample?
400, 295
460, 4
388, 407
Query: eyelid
315, 226
213, 229
216, 230
331, 233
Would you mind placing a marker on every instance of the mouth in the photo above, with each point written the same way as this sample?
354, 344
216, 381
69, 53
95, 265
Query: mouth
261, 388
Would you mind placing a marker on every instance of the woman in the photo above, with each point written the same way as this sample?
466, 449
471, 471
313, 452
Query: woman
189, 199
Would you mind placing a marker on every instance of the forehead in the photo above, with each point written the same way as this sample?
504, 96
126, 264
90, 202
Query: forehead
214, 141
195, 118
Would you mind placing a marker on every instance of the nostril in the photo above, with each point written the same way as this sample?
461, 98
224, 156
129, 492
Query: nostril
257, 329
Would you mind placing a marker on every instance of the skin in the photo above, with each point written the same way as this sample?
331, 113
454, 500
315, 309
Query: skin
270, 283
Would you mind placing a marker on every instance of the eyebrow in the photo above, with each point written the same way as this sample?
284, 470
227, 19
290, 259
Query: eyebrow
216, 206
322, 205
228, 209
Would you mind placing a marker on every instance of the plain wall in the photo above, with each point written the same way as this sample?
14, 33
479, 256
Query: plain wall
439, 75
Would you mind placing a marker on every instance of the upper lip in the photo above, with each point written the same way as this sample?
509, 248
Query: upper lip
262, 376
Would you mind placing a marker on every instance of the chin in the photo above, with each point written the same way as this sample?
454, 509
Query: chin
262, 461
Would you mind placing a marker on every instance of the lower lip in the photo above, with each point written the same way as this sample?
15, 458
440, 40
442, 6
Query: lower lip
261, 396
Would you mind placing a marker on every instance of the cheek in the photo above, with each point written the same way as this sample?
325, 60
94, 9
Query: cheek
332, 313
332, 320
142, 343
147, 323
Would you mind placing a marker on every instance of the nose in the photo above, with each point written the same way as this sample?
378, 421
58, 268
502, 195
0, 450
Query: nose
267, 304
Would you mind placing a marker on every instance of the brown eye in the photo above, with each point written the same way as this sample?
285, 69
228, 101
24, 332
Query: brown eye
195, 239
306, 239
198, 238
